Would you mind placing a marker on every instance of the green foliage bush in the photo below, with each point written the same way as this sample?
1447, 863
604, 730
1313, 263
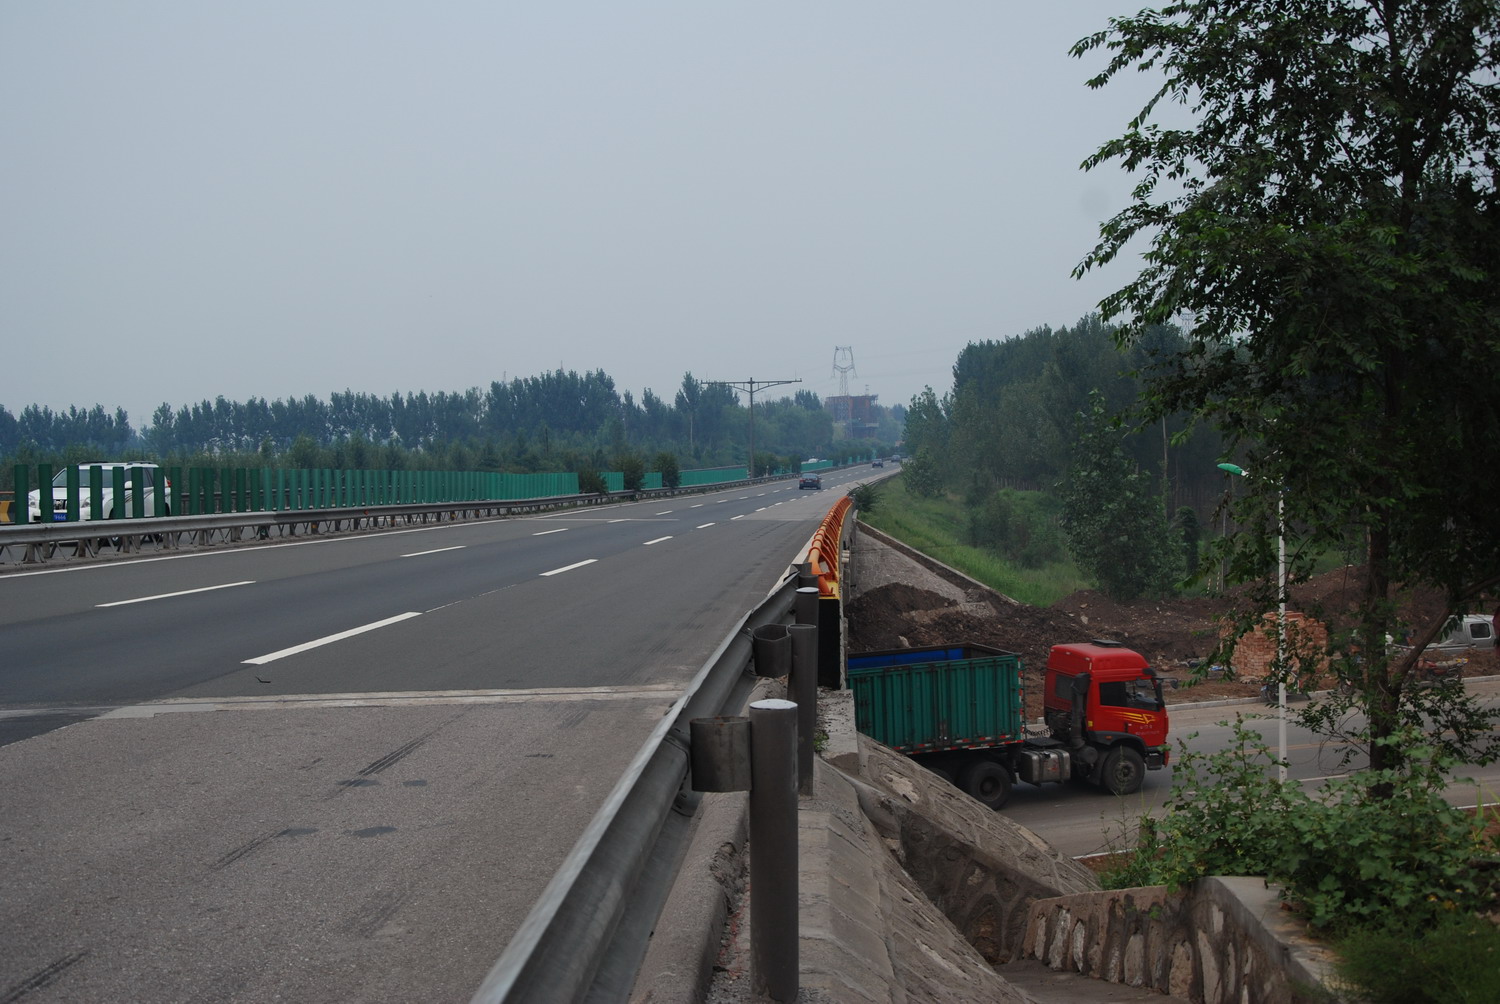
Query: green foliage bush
591, 483
632, 467
1019, 526
1456, 961
866, 498
1347, 859
921, 475
671, 474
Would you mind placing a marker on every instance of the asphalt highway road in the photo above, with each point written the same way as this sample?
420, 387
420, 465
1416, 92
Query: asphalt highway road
1081, 819
343, 768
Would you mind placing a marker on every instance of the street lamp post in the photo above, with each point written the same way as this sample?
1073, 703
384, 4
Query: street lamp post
1280, 619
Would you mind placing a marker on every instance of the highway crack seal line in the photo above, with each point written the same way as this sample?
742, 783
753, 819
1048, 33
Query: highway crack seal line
381, 699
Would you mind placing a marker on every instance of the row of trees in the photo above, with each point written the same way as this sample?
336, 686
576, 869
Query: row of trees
1321, 302
1328, 223
1330, 229
1044, 411
561, 420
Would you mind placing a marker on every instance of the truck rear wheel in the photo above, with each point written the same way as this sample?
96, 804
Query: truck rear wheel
1123, 771
943, 772
987, 781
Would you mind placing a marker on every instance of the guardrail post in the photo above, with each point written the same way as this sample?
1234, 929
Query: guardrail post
805, 605
804, 691
774, 962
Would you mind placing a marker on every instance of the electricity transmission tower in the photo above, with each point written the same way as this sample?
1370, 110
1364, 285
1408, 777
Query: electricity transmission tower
846, 403
750, 387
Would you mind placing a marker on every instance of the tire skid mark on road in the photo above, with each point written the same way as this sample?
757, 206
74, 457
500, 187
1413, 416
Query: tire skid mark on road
244, 849
398, 754
374, 913
574, 718
41, 978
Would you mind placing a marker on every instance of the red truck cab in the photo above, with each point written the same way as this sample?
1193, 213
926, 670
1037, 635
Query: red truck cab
1105, 702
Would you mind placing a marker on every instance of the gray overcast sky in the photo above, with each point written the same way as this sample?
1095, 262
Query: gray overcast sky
279, 199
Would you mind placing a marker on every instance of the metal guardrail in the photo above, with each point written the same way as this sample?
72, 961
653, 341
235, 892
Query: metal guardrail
43, 541
823, 555
586, 935
39, 542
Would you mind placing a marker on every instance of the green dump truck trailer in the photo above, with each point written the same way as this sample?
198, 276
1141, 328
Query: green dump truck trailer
960, 711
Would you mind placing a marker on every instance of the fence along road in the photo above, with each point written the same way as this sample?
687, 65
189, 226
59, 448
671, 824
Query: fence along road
370, 813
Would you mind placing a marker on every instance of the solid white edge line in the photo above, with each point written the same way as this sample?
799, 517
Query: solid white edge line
569, 568
658, 540
180, 592
561, 529
261, 660
435, 550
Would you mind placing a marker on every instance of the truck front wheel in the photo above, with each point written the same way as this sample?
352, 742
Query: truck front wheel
1123, 771
987, 781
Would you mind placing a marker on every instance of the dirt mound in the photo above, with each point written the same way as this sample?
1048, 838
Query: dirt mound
1175, 635
902, 616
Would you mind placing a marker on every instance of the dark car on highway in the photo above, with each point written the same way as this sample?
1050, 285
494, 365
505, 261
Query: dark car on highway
810, 481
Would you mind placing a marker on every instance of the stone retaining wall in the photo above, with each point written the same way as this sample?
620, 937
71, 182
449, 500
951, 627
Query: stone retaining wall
1219, 941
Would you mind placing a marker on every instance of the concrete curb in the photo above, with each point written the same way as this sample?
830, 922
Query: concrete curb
689, 934
679, 964
948, 572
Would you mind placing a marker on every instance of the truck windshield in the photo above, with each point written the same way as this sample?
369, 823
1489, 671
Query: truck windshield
1131, 694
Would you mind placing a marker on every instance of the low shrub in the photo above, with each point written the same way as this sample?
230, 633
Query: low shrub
1346, 859
1454, 961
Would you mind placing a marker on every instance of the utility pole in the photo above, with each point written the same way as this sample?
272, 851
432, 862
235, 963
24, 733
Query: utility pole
750, 387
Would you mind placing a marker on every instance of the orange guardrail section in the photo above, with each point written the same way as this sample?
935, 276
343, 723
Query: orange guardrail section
823, 555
